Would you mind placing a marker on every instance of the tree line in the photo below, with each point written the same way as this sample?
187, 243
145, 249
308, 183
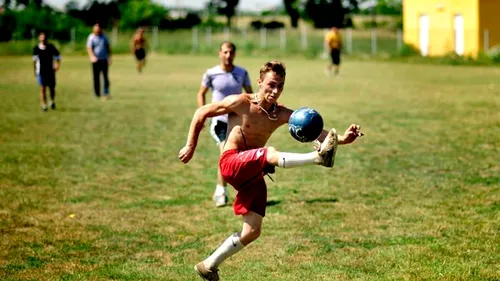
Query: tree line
18, 18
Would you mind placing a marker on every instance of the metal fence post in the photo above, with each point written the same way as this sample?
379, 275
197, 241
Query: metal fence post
325, 47
303, 33
33, 34
73, 37
195, 38
263, 37
244, 32
349, 40
283, 39
208, 35
374, 41
114, 36
486, 40
399, 43
155, 38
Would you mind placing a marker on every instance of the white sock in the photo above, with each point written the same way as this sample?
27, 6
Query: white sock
220, 190
230, 247
289, 160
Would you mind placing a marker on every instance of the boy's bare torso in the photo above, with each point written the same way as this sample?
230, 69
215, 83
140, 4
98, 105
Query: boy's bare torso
139, 42
249, 126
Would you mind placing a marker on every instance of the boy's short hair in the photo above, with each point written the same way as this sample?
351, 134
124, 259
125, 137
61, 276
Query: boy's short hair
228, 43
274, 66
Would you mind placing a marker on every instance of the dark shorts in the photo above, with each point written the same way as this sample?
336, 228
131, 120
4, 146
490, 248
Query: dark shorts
218, 130
335, 56
140, 54
46, 80
244, 170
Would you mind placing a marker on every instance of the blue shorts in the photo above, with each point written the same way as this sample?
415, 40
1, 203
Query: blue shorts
46, 80
218, 130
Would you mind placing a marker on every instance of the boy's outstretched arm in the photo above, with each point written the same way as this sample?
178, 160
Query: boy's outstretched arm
200, 115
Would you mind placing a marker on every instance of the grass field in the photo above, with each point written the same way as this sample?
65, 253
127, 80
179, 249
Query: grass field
94, 190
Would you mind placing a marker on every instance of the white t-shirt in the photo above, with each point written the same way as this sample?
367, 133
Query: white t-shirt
225, 83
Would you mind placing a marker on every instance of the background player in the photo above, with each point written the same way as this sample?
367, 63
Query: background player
138, 47
45, 68
224, 79
333, 41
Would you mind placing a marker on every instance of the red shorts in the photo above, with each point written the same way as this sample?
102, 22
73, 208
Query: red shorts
244, 170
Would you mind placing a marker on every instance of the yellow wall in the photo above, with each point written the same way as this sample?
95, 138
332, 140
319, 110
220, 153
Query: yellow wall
489, 18
441, 15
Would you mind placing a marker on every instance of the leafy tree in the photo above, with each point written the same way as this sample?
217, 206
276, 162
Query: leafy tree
7, 25
325, 13
292, 9
353, 6
26, 3
224, 7
141, 13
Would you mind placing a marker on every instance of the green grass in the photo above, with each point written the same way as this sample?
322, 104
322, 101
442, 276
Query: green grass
94, 190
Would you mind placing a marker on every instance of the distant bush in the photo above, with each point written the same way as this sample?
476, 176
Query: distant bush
494, 54
210, 22
7, 26
257, 24
189, 21
348, 22
274, 25
408, 50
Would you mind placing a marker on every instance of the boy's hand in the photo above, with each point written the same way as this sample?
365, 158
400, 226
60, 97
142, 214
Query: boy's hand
186, 153
351, 134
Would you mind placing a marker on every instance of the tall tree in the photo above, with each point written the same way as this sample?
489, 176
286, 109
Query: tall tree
26, 3
224, 7
325, 13
292, 9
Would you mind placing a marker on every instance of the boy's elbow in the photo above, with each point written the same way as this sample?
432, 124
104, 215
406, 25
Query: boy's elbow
200, 114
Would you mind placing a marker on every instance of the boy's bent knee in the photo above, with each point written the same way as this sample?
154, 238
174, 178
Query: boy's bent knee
250, 236
272, 156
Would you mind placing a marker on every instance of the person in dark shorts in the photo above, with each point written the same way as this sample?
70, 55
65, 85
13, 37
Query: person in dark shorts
46, 61
224, 79
333, 41
99, 52
245, 159
138, 47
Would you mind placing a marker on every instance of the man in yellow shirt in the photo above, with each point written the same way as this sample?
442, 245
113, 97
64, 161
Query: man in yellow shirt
333, 42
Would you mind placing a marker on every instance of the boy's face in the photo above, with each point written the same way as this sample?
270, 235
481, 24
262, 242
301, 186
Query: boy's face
97, 29
271, 85
42, 38
226, 55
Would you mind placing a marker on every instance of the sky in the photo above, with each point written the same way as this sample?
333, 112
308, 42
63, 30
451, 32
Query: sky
247, 5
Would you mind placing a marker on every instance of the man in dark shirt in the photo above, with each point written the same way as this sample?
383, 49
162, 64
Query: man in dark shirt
45, 68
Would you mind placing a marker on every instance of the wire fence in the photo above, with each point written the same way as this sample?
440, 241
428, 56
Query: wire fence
303, 41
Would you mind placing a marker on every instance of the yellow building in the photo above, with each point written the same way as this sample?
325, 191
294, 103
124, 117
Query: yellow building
438, 27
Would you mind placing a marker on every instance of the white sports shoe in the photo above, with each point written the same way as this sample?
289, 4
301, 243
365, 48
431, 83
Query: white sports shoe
328, 148
220, 199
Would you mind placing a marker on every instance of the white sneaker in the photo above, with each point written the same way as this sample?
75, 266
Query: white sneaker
220, 199
328, 148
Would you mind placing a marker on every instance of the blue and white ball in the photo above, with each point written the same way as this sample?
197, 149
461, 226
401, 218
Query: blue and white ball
305, 124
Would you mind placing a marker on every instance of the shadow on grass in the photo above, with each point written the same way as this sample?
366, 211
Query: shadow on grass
321, 200
78, 109
273, 203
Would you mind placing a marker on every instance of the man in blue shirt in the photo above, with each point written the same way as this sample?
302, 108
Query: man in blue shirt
99, 52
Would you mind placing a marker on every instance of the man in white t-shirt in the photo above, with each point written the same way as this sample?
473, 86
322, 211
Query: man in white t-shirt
224, 79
